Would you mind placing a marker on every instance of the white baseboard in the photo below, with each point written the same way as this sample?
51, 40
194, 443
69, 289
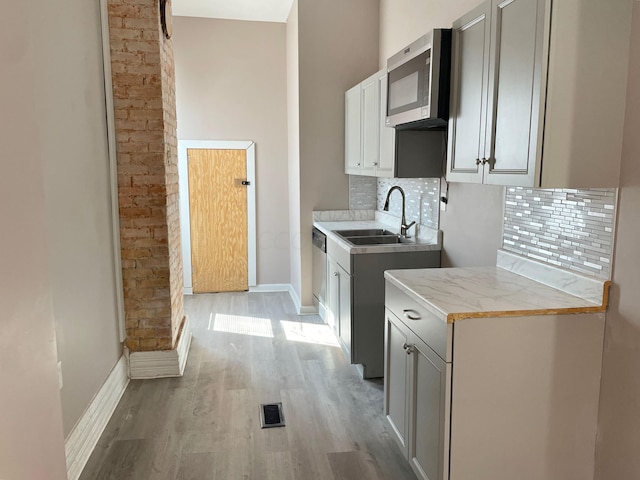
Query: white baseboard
270, 287
322, 311
85, 435
187, 291
162, 363
302, 309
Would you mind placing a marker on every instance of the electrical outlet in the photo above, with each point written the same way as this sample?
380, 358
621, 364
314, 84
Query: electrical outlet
60, 374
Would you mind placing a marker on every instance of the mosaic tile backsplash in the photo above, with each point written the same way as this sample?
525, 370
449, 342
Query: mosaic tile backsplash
362, 192
567, 228
422, 197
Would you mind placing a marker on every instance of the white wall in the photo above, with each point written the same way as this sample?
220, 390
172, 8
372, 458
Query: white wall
231, 85
31, 438
619, 426
337, 48
70, 99
472, 224
403, 21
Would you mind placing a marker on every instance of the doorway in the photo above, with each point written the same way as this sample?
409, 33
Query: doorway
217, 215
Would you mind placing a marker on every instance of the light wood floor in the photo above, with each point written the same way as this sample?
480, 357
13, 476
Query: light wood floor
247, 349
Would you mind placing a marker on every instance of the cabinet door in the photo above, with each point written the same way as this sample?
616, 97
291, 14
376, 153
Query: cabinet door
396, 371
387, 158
333, 288
470, 67
517, 28
344, 309
370, 125
428, 418
352, 138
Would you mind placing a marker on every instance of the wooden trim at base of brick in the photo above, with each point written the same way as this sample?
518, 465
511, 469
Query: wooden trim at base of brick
164, 363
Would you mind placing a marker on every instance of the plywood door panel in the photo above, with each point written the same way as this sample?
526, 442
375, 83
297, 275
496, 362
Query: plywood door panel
218, 214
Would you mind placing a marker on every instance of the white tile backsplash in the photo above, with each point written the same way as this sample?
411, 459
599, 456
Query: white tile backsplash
422, 197
362, 192
567, 228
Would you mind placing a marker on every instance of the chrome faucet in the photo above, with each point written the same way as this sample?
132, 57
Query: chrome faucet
403, 222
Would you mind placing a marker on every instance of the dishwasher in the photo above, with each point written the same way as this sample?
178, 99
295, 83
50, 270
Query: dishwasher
319, 268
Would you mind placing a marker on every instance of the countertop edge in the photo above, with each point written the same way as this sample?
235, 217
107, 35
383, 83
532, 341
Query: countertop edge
457, 316
454, 317
417, 297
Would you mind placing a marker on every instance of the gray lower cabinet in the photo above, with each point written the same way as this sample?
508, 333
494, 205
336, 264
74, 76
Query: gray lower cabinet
495, 397
415, 399
339, 303
356, 296
368, 298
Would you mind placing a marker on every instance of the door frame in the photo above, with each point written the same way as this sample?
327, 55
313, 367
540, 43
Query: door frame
185, 219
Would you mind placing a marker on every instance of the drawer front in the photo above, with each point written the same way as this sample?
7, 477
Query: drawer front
433, 331
339, 254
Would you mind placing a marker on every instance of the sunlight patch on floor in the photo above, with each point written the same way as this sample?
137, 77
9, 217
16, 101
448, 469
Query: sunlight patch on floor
255, 326
318, 334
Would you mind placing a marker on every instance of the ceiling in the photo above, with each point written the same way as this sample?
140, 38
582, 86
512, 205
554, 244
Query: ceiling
254, 10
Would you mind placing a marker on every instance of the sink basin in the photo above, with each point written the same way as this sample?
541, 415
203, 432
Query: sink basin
368, 232
375, 240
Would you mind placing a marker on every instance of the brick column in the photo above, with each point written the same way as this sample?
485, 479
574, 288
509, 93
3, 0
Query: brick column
143, 76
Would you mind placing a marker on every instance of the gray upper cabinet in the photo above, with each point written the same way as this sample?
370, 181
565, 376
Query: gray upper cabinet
469, 76
497, 62
525, 77
515, 68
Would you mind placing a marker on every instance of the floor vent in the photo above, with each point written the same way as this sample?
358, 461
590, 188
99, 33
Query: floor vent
271, 415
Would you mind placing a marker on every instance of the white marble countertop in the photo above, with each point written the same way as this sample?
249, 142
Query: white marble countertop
428, 239
457, 293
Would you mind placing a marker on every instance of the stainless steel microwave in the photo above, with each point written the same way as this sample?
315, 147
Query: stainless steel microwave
418, 83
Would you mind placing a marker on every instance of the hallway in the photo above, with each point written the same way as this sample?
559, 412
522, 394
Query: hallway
248, 349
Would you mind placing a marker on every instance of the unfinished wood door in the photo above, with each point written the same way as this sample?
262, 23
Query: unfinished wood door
218, 213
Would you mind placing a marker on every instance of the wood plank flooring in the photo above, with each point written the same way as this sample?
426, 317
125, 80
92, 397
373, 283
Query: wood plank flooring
248, 349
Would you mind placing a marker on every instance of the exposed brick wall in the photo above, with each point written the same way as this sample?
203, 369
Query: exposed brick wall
144, 99
171, 182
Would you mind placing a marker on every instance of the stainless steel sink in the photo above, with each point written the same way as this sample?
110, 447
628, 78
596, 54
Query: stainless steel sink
371, 236
366, 232
375, 240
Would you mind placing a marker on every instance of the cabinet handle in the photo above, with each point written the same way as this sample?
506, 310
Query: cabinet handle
335, 274
407, 348
408, 312
478, 162
358, 164
484, 161
375, 164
